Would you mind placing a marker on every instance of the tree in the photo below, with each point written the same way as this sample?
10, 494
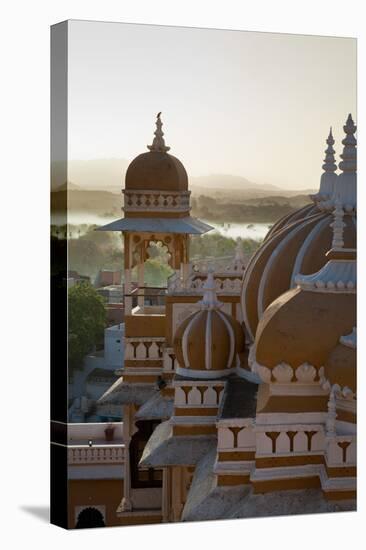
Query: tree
87, 320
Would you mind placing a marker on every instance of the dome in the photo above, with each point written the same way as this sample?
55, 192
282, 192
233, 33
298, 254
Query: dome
340, 367
207, 343
298, 243
156, 171
303, 326
299, 247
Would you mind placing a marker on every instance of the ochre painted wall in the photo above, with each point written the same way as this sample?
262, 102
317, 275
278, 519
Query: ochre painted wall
106, 492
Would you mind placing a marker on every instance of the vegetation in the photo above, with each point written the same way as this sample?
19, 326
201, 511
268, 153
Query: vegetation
258, 210
87, 320
216, 245
89, 251
95, 250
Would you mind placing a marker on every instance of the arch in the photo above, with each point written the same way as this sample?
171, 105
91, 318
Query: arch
90, 517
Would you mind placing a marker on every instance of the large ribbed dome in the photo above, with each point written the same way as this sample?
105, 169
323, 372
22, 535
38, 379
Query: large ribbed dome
299, 247
298, 243
207, 343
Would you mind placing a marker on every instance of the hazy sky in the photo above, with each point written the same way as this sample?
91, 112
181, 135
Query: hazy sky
251, 104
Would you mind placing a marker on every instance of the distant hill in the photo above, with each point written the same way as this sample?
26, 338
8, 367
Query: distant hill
109, 175
97, 174
227, 181
99, 203
94, 192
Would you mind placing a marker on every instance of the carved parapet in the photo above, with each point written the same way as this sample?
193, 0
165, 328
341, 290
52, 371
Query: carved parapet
286, 374
156, 201
144, 348
225, 283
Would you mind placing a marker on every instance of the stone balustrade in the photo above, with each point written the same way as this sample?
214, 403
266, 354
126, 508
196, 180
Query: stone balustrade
156, 201
144, 348
289, 439
341, 450
236, 434
198, 393
96, 454
225, 283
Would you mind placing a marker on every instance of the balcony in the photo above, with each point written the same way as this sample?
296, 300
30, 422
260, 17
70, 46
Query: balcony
96, 454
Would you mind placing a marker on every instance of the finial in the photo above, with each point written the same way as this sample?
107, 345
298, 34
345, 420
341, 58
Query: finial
158, 144
209, 300
238, 263
349, 155
338, 226
330, 422
328, 177
329, 160
345, 188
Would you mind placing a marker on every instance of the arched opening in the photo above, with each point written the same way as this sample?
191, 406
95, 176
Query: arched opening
90, 517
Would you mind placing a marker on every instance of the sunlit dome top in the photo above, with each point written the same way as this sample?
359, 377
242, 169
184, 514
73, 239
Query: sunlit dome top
303, 325
298, 243
156, 170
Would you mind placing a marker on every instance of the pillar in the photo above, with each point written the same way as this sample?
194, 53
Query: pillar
166, 495
127, 417
140, 282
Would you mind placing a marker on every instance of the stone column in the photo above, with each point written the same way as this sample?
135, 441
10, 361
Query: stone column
140, 275
126, 501
166, 496
128, 297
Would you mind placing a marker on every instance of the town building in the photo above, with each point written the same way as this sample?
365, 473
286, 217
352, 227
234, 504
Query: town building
97, 374
96, 455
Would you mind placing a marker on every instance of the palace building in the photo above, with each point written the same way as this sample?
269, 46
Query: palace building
238, 387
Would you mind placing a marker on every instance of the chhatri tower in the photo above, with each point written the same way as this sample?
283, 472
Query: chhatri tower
238, 387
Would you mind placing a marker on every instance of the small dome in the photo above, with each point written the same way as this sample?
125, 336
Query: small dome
156, 171
340, 367
207, 343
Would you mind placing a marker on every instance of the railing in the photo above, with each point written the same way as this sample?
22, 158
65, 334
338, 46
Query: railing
144, 348
97, 454
157, 201
225, 283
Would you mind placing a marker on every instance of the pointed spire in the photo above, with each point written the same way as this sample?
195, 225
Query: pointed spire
158, 144
239, 252
329, 165
209, 300
345, 189
329, 177
238, 263
349, 155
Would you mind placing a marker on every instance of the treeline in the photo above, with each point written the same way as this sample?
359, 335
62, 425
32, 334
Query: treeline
216, 245
263, 210
89, 251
